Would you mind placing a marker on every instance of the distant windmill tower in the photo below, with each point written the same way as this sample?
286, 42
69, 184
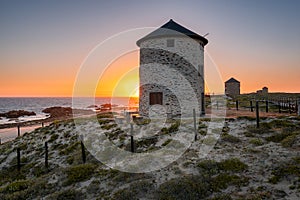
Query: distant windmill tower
181, 50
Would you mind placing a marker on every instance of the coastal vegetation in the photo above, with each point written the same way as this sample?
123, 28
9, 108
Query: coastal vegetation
245, 163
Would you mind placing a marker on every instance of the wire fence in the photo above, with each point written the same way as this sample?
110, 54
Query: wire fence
281, 105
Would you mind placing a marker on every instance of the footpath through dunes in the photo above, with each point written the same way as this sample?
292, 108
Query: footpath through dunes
245, 162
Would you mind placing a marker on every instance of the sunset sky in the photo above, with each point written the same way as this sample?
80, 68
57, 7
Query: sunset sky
44, 43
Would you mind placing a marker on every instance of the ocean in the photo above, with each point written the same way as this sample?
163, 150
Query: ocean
37, 104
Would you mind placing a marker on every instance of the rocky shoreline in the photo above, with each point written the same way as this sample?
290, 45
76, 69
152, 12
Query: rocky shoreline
55, 113
17, 113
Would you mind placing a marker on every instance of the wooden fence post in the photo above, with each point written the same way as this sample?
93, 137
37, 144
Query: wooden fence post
83, 152
251, 106
279, 106
267, 106
19, 131
18, 159
42, 124
131, 138
296, 106
195, 124
290, 106
299, 107
46, 155
237, 105
257, 114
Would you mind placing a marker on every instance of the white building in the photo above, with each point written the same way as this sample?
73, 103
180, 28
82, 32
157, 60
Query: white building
172, 70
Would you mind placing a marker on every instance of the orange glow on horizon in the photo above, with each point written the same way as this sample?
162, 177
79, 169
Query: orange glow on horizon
121, 78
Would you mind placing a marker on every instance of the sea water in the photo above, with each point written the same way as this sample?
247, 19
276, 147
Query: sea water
38, 104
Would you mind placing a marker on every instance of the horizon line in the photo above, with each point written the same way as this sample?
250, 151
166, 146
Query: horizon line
68, 97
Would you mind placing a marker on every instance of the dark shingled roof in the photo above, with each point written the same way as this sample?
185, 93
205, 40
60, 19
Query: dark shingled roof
232, 80
172, 28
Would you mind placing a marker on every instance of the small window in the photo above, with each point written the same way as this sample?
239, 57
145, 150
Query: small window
156, 98
170, 43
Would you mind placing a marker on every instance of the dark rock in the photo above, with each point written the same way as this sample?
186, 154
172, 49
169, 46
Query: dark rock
107, 106
92, 106
17, 113
58, 111
279, 193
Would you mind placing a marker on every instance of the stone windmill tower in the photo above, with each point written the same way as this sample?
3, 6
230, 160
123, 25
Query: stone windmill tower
171, 68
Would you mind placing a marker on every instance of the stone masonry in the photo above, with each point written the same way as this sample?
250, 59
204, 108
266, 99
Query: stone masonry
172, 64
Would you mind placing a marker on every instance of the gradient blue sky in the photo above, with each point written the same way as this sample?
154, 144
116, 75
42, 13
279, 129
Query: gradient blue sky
43, 43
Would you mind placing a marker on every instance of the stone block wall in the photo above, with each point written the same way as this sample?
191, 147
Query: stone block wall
232, 89
176, 71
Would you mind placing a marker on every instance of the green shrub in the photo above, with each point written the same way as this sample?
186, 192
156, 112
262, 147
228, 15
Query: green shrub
79, 173
70, 148
264, 128
11, 174
256, 142
145, 143
39, 171
204, 119
222, 181
137, 189
143, 121
201, 125
296, 160
230, 165
23, 146
105, 115
289, 141
230, 138
104, 121
125, 194
166, 142
17, 186
53, 138
202, 132
108, 126
233, 164
188, 187
222, 197
225, 129
129, 177
277, 137
173, 128
209, 166
290, 168
67, 194
142, 187
274, 179
281, 123
248, 134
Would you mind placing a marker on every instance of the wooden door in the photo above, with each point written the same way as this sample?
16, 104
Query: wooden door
156, 98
